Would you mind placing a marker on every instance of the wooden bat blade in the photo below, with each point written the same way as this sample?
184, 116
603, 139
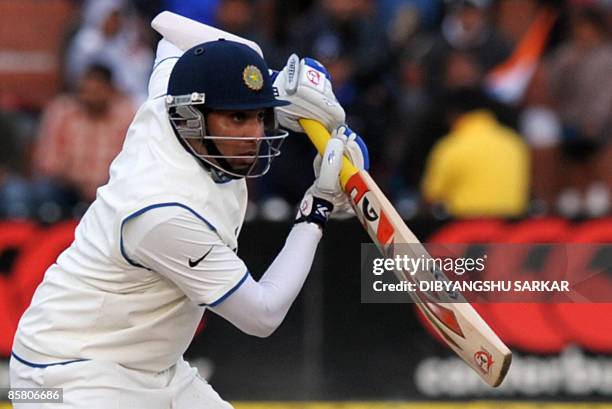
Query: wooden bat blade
453, 318
451, 315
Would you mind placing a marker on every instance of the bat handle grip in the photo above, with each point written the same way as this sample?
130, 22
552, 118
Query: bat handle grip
319, 136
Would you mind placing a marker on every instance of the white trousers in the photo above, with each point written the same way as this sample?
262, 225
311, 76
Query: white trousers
108, 385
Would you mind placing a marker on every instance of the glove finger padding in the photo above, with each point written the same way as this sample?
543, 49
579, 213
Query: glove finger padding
327, 182
354, 148
307, 85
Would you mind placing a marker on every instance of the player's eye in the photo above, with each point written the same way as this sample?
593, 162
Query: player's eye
261, 116
238, 116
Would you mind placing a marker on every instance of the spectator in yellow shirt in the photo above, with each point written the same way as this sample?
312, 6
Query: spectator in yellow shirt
481, 168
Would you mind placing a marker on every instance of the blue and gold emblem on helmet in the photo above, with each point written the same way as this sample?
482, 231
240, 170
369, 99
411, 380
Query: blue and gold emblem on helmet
252, 77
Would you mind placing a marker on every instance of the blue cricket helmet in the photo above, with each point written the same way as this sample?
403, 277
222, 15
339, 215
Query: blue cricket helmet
231, 75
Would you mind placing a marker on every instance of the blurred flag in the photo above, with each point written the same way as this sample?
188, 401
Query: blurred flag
508, 81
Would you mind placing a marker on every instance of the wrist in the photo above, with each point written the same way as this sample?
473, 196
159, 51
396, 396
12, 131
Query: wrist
309, 229
315, 210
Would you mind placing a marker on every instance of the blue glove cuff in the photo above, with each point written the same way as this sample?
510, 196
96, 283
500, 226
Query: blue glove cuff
311, 62
317, 210
362, 145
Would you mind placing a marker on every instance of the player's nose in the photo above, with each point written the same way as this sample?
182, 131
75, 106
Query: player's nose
252, 130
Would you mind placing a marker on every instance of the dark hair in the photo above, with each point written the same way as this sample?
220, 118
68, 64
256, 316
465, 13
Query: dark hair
100, 71
465, 99
459, 101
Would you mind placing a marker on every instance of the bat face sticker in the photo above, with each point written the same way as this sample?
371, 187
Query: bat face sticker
484, 360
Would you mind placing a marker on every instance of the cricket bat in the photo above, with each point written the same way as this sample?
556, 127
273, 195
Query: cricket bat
453, 318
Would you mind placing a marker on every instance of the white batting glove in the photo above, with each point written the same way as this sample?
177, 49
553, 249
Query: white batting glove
355, 149
320, 199
306, 84
357, 152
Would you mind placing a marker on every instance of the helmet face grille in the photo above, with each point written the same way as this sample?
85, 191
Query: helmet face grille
189, 123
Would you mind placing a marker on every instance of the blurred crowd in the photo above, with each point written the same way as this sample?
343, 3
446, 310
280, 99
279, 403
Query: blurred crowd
470, 108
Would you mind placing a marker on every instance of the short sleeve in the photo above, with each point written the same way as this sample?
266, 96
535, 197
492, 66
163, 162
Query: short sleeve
181, 246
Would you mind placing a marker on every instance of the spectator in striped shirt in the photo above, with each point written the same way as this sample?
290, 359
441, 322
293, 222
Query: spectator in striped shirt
79, 136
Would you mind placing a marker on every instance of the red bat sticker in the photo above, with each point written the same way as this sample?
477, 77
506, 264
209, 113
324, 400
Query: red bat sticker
484, 360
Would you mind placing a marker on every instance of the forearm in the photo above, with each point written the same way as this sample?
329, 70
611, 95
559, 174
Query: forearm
258, 308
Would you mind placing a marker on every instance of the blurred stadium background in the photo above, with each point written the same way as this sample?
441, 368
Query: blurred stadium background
73, 72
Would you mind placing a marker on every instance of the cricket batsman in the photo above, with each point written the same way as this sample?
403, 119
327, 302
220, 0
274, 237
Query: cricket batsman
113, 316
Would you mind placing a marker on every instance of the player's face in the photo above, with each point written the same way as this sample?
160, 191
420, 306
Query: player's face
247, 125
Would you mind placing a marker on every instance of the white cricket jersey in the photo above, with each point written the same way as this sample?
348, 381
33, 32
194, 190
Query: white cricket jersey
97, 302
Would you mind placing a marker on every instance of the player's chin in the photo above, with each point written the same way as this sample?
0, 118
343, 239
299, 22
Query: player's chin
243, 164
